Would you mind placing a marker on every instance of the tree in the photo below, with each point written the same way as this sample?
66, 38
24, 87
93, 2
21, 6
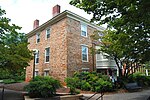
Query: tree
14, 53
130, 22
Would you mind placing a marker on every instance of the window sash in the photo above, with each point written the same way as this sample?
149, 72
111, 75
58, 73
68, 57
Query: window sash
46, 73
47, 33
84, 53
83, 30
47, 53
37, 58
37, 37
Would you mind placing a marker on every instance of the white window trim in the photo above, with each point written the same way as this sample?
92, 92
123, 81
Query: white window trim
46, 70
37, 37
49, 55
87, 53
36, 74
35, 57
46, 33
86, 29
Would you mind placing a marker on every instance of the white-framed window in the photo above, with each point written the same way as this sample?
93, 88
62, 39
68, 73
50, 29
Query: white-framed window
37, 57
46, 73
84, 53
37, 37
36, 73
47, 33
47, 54
84, 30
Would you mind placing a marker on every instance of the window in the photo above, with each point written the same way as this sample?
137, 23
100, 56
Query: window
46, 73
36, 73
47, 52
37, 37
83, 30
37, 58
47, 33
85, 53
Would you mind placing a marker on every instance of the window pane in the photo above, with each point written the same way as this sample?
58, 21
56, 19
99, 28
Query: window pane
47, 52
84, 53
47, 58
37, 37
83, 30
48, 33
46, 73
37, 57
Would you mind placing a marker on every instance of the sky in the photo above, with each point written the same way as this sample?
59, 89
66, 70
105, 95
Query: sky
24, 12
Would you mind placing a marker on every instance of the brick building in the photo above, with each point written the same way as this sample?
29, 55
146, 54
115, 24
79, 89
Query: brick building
63, 44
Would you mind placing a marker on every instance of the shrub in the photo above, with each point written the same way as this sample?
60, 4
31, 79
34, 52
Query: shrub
9, 81
103, 86
141, 79
72, 83
42, 87
90, 81
85, 85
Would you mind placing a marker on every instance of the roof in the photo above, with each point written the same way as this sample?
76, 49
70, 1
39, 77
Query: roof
60, 16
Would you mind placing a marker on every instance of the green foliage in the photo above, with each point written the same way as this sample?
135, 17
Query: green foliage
4, 74
72, 83
90, 82
14, 53
85, 85
141, 79
127, 37
102, 85
42, 87
9, 81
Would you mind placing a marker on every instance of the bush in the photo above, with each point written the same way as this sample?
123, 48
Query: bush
90, 82
103, 86
42, 87
9, 81
85, 85
72, 83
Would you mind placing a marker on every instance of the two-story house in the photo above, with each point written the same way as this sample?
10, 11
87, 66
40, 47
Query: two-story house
63, 44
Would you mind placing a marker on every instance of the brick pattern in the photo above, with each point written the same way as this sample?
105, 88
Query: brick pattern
65, 49
74, 43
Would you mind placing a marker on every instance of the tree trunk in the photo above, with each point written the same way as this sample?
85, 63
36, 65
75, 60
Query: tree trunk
117, 63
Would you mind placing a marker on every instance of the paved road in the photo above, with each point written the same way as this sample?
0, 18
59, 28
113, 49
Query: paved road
142, 95
11, 95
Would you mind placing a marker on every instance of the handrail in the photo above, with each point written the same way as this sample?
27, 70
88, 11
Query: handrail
92, 96
101, 96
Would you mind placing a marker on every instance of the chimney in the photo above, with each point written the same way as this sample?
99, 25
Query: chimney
56, 10
36, 24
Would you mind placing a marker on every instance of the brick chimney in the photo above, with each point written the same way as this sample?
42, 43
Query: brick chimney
56, 10
36, 24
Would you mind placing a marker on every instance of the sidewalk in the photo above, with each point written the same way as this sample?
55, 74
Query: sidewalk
142, 95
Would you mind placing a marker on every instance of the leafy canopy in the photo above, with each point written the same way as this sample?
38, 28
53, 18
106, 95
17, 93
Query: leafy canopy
14, 53
130, 20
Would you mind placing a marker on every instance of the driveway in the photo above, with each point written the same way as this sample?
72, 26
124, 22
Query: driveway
142, 95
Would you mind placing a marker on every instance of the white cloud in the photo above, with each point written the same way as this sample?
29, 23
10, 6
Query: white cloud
24, 12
